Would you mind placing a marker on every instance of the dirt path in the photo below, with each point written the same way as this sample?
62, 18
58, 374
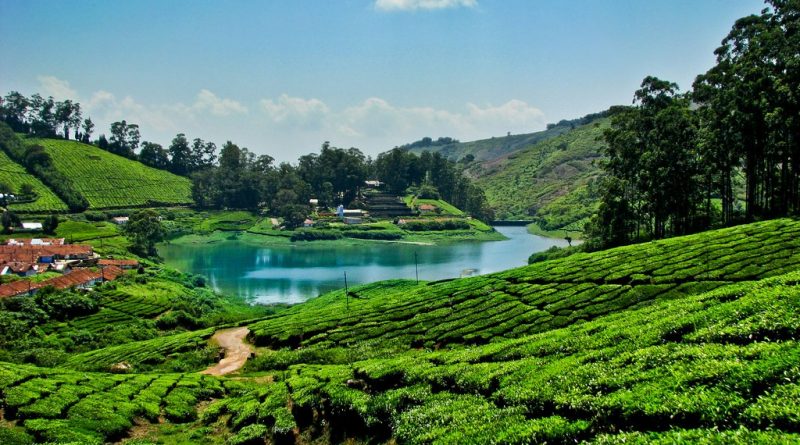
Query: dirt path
236, 350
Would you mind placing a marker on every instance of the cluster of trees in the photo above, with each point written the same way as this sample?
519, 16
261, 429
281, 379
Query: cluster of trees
44, 117
245, 181
333, 176
680, 162
401, 169
428, 142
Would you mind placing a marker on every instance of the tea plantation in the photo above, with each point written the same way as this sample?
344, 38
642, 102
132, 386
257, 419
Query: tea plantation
688, 340
110, 181
13, 175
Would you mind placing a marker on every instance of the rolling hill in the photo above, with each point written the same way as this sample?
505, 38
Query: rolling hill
110, 181
498, 147
545, 176
691, 339
550, 182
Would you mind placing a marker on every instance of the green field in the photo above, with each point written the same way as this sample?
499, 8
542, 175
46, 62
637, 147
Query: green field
686, 340
15, 176
110, 181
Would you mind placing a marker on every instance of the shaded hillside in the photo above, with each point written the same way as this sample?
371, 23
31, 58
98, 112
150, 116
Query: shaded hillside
15, 176
692, 338
497, 147
550, 182
106, 180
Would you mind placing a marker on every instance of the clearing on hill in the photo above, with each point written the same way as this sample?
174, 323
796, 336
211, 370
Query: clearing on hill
108, 181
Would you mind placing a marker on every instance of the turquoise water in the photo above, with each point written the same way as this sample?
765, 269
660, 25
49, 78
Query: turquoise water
295, 273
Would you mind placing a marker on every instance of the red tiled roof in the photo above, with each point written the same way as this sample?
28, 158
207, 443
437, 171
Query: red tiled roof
74, 278
27, 251
19, 266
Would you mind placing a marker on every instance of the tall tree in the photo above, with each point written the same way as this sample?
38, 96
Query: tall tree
180, 155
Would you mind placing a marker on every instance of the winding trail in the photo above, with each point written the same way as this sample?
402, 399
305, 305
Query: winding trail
237, 351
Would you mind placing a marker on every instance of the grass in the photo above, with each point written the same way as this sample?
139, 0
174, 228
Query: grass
110, 181
15, 176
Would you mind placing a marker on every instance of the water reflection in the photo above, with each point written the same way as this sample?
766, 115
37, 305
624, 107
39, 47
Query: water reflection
292, 274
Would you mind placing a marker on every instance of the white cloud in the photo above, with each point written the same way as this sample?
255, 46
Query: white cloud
376, 118
296, 111
59, 89
413, 5
206, 100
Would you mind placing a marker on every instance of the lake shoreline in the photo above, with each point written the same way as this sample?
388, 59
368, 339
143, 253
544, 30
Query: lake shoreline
285, 272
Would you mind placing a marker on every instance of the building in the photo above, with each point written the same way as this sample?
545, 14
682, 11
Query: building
79, 279
31, 226
308, 223
427, 208
21, 268
120, 220
35, 242
352, 220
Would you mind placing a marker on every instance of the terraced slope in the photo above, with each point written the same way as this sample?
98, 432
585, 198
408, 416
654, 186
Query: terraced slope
59, 406
110, 181
539, 297
15, 176
719, 367
693, 339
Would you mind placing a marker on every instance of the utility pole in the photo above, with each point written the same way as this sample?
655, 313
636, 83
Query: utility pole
416, 266
346, 293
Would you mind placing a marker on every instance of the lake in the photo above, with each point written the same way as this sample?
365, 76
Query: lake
295, 273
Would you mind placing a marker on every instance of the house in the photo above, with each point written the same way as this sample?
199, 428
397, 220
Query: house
120, 220
308, 223
401, 222
31, 226
352, 220
353, 212
35, 242
80, 279
427, 208
313, 202
374, 183
21, 268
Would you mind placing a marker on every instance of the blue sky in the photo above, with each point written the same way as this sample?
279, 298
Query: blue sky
281, 77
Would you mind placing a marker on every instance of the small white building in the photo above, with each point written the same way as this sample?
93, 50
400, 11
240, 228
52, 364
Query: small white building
32, 226
120, 220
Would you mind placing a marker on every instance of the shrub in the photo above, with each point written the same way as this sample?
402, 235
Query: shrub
315, 235
450, 224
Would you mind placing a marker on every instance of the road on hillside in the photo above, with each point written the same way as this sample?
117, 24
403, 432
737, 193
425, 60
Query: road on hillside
237, 351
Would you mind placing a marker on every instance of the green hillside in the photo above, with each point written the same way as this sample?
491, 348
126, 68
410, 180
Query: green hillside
15, 176
487, 150
549, 182
110, 181
691, 339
